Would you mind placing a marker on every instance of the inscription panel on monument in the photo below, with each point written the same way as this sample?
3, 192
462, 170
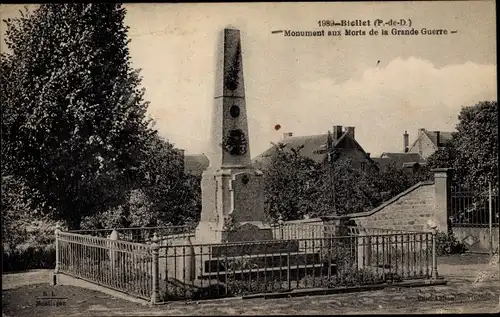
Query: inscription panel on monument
248, 191
249, 232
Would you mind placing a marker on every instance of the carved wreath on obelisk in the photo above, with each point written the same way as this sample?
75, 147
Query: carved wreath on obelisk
235, 142
234, 69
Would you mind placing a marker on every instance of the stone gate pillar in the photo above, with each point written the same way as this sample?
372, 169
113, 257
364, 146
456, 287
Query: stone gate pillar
442, 193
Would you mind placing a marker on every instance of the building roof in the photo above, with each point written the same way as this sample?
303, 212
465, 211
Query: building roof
195, 164
433, 137
400, 159
313, 148
381, 162
443, 137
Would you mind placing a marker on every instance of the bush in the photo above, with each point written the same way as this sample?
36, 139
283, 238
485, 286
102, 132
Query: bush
29, 257
28, 245
27, 238
448, 244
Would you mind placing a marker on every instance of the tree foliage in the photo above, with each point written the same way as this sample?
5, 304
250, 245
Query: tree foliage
164, 194
292, 185
473, 150
476, 161
354, 190
445, 156
298, 186
74, 126
393, 180
173, 195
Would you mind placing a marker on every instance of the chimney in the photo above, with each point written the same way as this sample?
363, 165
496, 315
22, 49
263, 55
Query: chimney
438, 137
350, 130
406, 142
287, 135
368, 154
337, 132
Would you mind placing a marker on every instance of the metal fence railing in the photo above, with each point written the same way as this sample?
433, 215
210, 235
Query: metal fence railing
119, 265
163, 272
296, 230
285, 231
474, 209
235, 269
377, 231
141, 234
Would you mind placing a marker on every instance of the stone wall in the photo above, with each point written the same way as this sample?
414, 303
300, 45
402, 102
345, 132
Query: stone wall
412, 210
480, 237
408, 211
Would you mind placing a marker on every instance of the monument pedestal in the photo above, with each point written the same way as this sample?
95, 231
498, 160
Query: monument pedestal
233, 207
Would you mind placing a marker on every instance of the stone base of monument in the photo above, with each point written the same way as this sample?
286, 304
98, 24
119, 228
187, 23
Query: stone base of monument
177, 261
279, 260
246, 253
249, 231
204, 265
211, 233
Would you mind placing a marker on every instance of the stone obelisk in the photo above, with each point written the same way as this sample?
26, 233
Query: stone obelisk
232, 190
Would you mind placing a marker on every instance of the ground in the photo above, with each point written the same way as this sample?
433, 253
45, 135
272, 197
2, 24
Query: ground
473, 287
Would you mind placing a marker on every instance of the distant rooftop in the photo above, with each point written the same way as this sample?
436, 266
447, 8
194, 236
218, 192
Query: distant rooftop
442, 135
195, 164
313, 148
400, 159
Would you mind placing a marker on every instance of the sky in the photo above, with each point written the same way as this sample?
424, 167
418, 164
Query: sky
380, 85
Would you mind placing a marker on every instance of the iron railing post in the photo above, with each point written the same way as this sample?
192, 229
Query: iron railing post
280, 225
434, 256
57, 232
154, 254
288, 275
490, 210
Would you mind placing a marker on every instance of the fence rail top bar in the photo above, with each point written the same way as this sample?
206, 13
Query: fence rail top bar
395, 231
82, 236
124, 229
295, 240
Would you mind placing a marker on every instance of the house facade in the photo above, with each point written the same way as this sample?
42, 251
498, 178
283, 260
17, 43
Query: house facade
411, 158
428, 142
